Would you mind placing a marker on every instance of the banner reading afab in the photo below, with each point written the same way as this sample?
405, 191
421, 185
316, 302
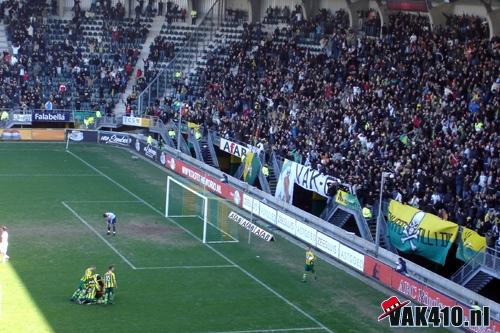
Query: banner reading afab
469, 244
414, 231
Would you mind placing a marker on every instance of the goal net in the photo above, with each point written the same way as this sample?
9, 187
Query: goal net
206, 216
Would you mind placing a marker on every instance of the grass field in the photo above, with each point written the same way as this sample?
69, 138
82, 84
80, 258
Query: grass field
52, 202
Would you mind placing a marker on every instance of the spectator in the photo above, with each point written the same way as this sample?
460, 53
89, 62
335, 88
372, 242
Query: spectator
401, 266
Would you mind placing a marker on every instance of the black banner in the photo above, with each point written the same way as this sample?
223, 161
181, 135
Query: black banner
115, 138
51, 116
149, 151
82, 136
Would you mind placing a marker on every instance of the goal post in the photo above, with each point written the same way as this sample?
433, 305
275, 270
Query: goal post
204, 215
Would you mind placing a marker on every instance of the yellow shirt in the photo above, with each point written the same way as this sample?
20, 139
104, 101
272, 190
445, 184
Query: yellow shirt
310, 257
87, 275
109, 280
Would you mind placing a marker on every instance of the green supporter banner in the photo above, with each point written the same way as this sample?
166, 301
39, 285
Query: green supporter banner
251, 168
348, 200
469, 244
81, 115
414, 231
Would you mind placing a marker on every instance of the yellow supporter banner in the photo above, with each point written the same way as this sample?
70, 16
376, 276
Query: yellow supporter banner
414, 231
193, 125
470, 244
145, 122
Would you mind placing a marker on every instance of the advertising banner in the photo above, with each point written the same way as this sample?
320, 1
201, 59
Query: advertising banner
136, 121
47, 135
243, 222
115, 138
417, 291
82, 136
22, 117
284, 187
469, 244
60, 116
414, 231
15, 134
212, 184
143, 148
347, 200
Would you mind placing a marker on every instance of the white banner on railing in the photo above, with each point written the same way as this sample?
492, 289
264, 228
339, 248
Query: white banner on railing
351, 257
305, 233
247, 202
267, 213
243, 222
236, 149
286, 223
327, 244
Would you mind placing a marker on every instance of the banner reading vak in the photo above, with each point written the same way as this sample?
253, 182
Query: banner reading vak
469, 244
259, 232
414, 231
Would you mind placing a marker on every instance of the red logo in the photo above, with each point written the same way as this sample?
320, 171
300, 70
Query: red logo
390, 305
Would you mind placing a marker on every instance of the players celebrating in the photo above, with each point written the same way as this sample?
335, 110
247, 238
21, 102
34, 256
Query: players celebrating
95, 290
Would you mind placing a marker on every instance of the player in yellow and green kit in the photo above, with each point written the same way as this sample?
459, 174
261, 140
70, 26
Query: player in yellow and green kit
91, 290
309, 266
82, 287
109, 285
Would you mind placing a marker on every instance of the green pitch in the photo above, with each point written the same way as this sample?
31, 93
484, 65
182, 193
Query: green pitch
52, 201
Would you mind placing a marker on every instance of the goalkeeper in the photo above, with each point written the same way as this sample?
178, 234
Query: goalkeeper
309, 266
82, 287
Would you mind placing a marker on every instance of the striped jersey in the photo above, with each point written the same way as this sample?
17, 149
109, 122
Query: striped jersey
109, 280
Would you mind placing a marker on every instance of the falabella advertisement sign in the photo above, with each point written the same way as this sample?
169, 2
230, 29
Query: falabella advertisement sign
115, 138
82, 136
51, 116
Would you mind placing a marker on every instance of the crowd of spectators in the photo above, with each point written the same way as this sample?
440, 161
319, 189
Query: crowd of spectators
59, 64
422, 104
276, 15
369, 21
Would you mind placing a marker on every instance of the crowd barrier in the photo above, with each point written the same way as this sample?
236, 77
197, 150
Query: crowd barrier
367, 265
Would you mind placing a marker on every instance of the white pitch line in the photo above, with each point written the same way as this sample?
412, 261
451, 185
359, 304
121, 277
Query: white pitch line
276, 330
103, 201
188, 267
247, 273
46, 175
98, 235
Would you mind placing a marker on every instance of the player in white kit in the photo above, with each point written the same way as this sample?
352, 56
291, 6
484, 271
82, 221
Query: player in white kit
4, 244
111, 222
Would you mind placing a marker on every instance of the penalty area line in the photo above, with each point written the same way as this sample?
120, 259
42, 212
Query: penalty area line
98, 235
213, 249
276, 330
187, 267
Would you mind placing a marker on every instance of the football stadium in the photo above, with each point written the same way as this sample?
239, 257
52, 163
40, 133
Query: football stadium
249, 166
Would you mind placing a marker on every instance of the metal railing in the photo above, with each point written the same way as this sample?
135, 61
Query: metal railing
469, 268
184, 61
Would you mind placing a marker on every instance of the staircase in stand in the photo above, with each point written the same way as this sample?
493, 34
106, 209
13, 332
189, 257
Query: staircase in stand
479, 281
4, 44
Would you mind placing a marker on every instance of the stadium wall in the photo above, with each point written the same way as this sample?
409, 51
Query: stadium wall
422, 286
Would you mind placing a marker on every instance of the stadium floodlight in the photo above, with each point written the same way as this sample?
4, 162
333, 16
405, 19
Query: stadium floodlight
189, 207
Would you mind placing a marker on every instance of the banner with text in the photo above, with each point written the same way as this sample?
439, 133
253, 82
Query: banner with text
257, 231
115, 138
236, 149
414, 231
136, 121
469, 244
144, 149
50, 116
212, 184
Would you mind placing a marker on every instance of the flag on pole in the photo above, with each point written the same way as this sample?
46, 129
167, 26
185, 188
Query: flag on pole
251, 168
